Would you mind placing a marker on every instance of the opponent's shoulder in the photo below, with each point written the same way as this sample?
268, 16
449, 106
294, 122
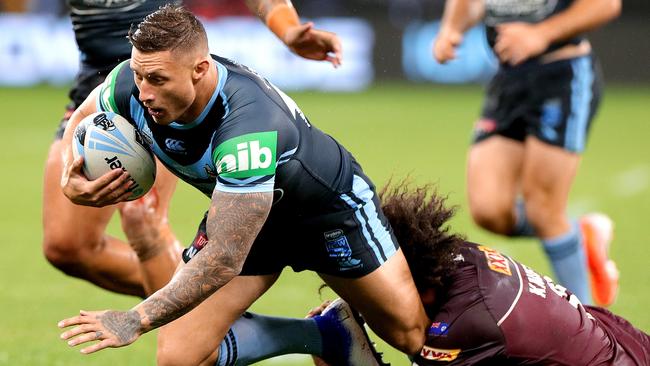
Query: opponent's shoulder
116, 90
463, 330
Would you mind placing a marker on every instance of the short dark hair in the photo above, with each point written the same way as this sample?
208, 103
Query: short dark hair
419, 220
170, 28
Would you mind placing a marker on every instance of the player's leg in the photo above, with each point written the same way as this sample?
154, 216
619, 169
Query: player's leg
148, 232
195, 338
219, 332
74, 240
333, 332
253, 337
493, 182
389, 302
496, 156
548, 175
567, 96
356, 253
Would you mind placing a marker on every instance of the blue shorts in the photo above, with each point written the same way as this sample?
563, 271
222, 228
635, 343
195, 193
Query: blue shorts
554, 102
352, 239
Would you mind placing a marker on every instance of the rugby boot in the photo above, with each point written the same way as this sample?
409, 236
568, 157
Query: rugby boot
597, 234
358, 349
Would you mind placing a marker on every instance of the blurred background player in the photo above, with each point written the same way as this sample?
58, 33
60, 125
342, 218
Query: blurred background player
74, 238
535, 120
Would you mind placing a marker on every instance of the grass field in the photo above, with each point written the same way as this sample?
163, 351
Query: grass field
393, 130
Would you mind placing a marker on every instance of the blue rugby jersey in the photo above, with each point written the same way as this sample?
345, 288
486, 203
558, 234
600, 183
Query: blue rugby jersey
251, 137
528, 11
101, 26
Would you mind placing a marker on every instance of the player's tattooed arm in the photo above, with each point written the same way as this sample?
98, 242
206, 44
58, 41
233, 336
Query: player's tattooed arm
234, 220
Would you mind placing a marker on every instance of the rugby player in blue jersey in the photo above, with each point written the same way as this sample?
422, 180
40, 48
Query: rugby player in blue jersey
534, 125
282, 192
74, 236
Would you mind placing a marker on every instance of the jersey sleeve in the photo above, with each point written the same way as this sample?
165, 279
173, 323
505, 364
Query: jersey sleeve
115, 91
246, 162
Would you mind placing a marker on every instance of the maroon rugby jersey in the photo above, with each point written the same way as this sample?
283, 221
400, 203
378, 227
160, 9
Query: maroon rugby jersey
500, 312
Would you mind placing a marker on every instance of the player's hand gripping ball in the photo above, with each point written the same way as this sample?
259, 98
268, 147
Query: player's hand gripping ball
108, 141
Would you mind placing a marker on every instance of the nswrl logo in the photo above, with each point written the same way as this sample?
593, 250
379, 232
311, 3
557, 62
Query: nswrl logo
339, 249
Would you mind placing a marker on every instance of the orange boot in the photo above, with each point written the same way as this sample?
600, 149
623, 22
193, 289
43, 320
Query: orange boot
597, 233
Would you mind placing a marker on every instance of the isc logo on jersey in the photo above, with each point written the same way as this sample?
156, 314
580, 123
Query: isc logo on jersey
247, 155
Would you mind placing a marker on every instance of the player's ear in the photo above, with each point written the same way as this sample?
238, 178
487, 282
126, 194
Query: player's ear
201, 68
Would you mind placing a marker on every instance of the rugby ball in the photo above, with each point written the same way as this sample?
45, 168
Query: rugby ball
108, 141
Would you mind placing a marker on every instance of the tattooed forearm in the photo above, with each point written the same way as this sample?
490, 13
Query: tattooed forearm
125, 325
234, 220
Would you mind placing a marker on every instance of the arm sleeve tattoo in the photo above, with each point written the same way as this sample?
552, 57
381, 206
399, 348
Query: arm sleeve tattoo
234, 220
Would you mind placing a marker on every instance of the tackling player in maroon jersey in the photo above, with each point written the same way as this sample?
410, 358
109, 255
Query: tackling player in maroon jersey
487, 308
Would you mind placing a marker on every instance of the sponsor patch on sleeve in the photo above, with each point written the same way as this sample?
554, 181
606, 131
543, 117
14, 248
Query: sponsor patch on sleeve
496, 261
245, 156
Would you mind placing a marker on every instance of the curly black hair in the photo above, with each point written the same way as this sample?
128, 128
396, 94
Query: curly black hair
419, 220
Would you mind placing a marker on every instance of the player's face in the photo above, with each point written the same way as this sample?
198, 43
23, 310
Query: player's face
165, 84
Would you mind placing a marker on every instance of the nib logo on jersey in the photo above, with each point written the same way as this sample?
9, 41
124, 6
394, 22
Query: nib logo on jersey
246, 156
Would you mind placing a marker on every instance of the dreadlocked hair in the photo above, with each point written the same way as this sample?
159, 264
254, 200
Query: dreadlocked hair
418, 218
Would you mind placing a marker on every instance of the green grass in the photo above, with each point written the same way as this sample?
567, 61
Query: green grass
393, 130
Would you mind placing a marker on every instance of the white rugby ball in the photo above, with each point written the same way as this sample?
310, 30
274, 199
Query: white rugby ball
108, 141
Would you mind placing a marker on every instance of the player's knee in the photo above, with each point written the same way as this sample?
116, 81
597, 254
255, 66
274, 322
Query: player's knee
405, 334
166, 355
62, 254
410, 340
493, 218
543, 209
173, 354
